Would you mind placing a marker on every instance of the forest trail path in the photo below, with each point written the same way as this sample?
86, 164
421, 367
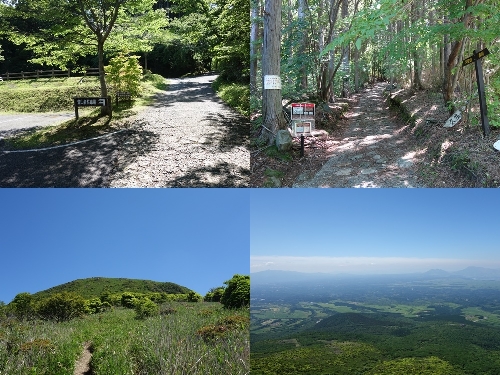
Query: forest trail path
375, 151
187, 138
82, 365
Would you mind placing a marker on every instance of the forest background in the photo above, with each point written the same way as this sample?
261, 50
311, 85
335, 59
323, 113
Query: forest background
173, 37
329, 48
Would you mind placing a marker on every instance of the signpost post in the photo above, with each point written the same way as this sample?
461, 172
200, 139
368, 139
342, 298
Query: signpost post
476, 57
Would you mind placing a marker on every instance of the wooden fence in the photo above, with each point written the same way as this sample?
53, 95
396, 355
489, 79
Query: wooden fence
48, 74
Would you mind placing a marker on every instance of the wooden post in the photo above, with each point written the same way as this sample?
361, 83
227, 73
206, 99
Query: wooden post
76, 108
482, 99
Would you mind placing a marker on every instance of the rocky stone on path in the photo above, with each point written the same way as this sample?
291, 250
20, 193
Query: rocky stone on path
283, 140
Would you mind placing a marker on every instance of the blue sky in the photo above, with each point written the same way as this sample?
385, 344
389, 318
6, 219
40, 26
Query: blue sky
197, 238
374, 230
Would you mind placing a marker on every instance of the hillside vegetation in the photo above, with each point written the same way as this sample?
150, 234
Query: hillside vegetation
376, 326
134, 327
96, 286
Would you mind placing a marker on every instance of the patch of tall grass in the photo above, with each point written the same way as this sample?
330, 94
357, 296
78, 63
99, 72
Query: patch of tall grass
174, 342
236, 95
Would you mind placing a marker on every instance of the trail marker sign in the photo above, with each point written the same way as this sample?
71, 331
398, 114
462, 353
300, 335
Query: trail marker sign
454, 119
91, 102
302, 116
476, 58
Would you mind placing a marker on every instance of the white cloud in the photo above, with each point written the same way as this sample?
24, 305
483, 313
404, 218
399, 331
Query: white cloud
360, 265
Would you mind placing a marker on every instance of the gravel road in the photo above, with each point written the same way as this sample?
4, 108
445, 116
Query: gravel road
374, 152
187, 138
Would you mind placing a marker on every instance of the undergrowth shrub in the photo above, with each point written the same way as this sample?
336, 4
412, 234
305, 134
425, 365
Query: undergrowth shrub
95, 306
194, 297
61, 307
125, 74
145, 308
22, 306
128, 300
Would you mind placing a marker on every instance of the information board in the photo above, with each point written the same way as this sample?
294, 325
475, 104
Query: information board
303, 111
301, 128
272, 82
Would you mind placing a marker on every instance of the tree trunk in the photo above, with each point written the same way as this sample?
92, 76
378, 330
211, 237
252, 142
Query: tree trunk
253, 45
272, 113
105, 111
345, 52
452, 60
301, 14
417, 61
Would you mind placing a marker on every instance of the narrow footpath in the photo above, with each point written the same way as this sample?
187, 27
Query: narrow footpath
375, 151
187, 138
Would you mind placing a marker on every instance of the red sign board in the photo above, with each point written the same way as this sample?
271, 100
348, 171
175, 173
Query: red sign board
303, 110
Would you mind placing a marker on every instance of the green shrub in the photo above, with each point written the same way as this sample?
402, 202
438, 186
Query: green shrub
214, 294
125, 74
237, 293
95, 306
128, 300
62, 307
145, 308
194, 297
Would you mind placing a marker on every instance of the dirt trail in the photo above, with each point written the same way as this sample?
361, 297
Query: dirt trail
375, 151
82, 365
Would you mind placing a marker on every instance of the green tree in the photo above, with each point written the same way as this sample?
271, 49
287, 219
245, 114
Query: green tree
237, 292
61, 307
65, 30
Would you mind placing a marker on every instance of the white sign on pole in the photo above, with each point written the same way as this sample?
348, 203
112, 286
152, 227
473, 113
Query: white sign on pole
454, 119
272, 82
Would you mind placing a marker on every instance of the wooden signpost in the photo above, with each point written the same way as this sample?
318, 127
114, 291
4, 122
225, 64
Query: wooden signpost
476, 59
91, 102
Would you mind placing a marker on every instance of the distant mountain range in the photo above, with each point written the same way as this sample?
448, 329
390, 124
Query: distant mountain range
95, 286
275, 276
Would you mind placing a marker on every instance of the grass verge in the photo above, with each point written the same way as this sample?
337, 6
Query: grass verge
235, 95
56, 95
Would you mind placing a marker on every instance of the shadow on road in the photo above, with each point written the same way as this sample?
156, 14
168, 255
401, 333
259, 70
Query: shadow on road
89, 164
221, 175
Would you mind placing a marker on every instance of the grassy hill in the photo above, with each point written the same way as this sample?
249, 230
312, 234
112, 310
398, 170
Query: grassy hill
96, 286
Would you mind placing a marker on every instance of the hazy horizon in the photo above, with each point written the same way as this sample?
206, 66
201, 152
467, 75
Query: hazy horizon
373, 231
363, 265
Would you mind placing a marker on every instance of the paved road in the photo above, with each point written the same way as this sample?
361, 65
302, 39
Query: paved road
188, 137
21, 121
